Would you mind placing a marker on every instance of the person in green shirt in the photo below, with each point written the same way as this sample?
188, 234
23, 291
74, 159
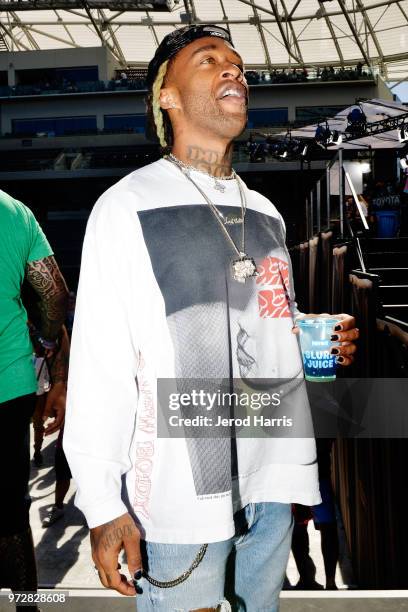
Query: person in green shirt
24, 254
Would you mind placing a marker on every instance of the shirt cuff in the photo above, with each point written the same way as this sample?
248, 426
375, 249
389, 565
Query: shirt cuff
104, 512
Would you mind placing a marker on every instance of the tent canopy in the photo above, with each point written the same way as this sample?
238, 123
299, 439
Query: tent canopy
374, 110
266, 32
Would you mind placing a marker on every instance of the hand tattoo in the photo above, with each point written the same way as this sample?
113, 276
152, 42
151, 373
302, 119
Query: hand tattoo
113, 533
46, 279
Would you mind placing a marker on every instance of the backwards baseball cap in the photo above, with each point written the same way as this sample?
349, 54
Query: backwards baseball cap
177, 40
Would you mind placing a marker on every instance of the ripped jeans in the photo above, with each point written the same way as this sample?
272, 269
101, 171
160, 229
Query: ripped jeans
243, 574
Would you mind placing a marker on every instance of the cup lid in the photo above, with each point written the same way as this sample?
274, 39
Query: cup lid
317, 321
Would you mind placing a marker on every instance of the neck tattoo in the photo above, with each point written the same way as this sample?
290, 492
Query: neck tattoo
218, 185
244, 267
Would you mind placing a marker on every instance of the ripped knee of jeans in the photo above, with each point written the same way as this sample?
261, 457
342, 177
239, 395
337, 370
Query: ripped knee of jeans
223, 606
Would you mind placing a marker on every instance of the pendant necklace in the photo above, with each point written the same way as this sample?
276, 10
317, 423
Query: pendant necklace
244, 266
218, 185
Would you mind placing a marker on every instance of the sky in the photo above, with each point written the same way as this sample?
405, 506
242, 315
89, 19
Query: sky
401, 91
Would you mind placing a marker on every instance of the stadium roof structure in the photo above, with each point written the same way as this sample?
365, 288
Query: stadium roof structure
268, 33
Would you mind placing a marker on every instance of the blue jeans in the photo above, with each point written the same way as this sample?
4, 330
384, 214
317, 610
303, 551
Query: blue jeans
243, 574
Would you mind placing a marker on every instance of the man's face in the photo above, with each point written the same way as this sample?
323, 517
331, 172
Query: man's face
211, 88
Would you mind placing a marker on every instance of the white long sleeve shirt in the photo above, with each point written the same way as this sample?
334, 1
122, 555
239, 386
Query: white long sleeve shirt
156, 301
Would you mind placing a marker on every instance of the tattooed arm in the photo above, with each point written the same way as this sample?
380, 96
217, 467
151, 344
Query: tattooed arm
107, 541
59, 363
46, 279
57, 396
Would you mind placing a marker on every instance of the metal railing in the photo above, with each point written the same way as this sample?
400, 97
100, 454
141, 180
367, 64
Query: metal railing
317, 219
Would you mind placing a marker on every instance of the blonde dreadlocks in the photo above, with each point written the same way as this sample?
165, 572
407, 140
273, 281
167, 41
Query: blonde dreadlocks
158, 116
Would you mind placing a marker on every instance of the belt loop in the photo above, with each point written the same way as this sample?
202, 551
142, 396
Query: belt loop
251, 514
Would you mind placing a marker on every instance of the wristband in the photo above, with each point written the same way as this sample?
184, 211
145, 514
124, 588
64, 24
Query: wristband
49, 345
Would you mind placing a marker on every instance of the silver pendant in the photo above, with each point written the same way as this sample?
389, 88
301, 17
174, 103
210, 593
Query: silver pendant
232, 219
243, 268
219, 186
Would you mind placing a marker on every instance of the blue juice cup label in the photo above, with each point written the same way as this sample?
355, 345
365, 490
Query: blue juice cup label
315, 334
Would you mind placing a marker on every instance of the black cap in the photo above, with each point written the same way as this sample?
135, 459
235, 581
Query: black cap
177, 40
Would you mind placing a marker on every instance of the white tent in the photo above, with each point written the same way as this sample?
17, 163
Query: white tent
374, 110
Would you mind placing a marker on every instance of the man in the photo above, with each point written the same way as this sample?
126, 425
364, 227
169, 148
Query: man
61, 468
324, 518
24, 253
168, 290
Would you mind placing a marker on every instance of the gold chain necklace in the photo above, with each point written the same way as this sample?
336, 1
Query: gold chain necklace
244, 267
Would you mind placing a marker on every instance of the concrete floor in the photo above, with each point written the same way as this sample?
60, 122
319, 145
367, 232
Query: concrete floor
63, 549
64, 562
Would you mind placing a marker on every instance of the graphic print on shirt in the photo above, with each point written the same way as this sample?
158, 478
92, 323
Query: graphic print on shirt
274, 280
145, 446
191, 262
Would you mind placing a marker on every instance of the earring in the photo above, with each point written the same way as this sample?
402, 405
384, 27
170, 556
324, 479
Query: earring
173, 105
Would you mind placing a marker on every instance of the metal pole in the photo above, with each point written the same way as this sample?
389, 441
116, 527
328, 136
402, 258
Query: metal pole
341, 193
328, 195
311, 215
318, 196
356, 200
307, 218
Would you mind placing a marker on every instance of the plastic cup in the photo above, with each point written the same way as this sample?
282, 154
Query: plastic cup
315, 343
